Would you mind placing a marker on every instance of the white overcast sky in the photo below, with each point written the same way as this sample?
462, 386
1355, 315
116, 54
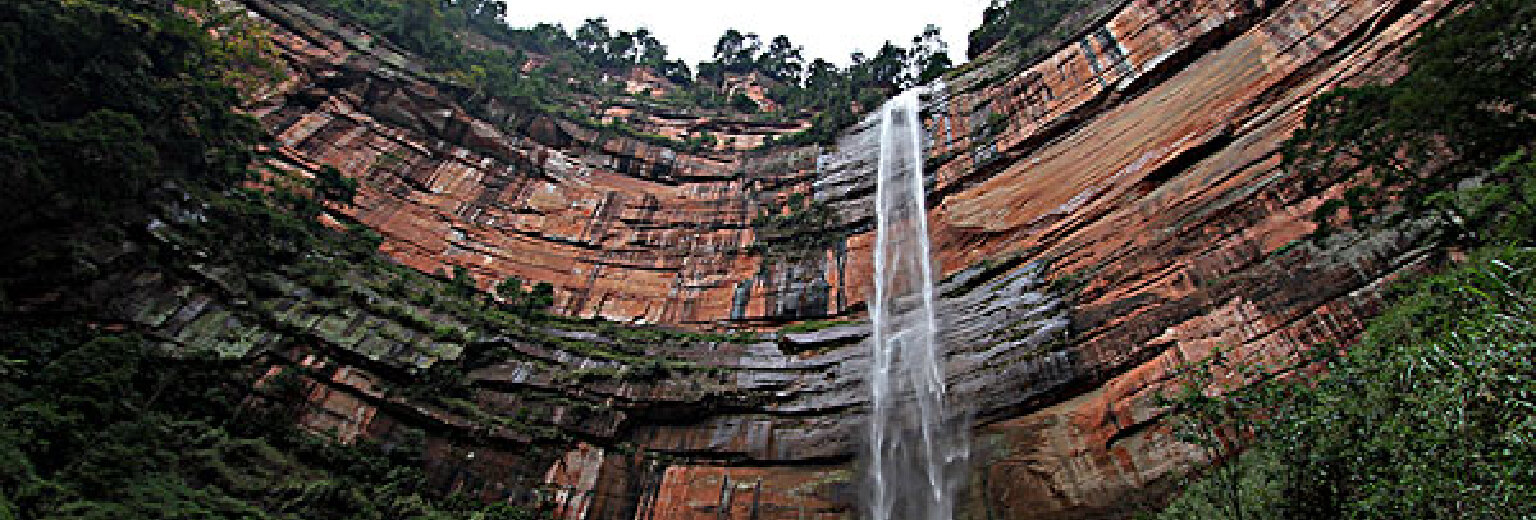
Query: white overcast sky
829, 29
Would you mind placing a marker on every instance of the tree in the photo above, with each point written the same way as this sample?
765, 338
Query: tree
651, 52
1211, 413
546, 38
102, 105
782, 61
1465, 104
888, 70
543, 296
593, 39
108, 426
510, 289
737, 52
711, 73
462, 281
488, 15
623, 50
512, 295
742, 103
1030, 27
676, 72
331, 185
929, 56
420, 27
823, 77
1429, 415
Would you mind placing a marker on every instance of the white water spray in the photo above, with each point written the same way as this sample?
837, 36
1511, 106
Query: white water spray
915, 449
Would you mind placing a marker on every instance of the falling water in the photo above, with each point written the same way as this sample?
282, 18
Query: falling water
914, 447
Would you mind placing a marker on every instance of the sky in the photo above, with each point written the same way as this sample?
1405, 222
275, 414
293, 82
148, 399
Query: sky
828, 29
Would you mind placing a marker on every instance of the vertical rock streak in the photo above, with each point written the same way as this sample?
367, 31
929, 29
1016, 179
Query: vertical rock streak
912, 443
1142, 171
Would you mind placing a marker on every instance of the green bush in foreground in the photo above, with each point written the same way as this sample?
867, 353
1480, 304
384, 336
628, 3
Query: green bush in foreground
1433, 415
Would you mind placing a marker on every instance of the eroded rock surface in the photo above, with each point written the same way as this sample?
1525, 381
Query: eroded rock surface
1101, 215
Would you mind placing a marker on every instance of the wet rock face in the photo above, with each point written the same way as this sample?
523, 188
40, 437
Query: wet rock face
1140, 163
625, 229
1100, 216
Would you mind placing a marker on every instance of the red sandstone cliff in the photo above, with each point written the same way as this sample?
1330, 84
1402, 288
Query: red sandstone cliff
1137, 166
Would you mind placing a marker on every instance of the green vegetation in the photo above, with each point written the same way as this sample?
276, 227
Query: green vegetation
1465, 105
123, 155
802, 226
1431, 415
836, 96
142, 148
1031, 28
104, 426
813, 326
102, 103
435, 31
438, 32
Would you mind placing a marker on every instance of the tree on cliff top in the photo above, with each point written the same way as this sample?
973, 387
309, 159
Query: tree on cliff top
783, 61
929, 56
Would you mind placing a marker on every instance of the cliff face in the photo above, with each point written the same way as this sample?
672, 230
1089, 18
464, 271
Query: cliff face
1142, 161
1100, 215
625, 229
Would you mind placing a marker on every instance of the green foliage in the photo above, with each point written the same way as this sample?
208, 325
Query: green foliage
510, 289
1465, 104
103, 102
1213, 412
1030, 27
543, 295
540, 297
115, 114
743, 104
929, 56
434, 31
583, 63
835, 96
462, 282
1431, 416
808, 227
332, 186
813, 326
1499, 211
106, 426
103, 427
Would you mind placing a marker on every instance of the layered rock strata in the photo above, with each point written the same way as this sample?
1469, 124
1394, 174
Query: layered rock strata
1101, 215
626, 229
1140, 162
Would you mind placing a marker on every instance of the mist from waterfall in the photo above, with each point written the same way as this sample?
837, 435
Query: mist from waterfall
915, 448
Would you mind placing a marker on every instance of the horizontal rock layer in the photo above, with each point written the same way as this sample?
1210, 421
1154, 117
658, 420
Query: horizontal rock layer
625, 229
1100, 215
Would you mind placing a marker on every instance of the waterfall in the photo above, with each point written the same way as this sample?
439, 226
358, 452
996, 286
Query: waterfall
915, 448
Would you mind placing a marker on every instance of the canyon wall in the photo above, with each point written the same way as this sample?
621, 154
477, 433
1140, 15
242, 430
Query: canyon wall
1100, 215
1142, 162
625, 229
